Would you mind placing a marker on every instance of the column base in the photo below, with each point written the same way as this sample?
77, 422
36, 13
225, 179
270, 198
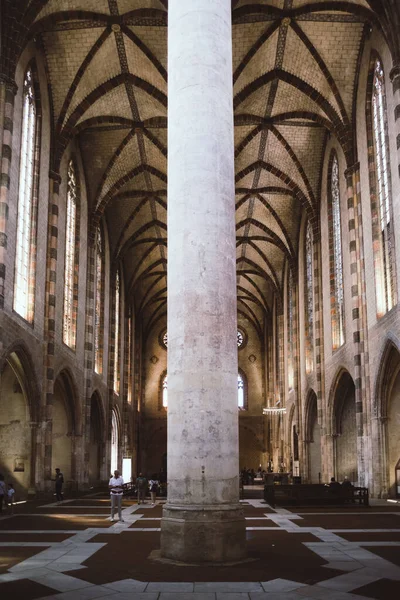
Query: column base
203, 534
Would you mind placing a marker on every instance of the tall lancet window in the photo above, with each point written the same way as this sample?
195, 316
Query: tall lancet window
25, 256
117, 335
309, 300
335, 253
290, 329
99, 302
71, 259
165, 391
381, 192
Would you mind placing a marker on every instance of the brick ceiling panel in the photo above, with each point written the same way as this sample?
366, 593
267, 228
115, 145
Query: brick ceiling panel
244, 36
276, 3
255, 103
268, 179
241, 132
54, 6
289, 99
139, 64
264, 216
289, 211
96, 74
249, 154
299, 61
148, 106
137, 183
154, 156
156, 182
65, 52
270, 251
278, 156
242, 211
97, 149
113, 104
118, 213
155, 38
299, 3
307, 143
128, 159
125, 6
262, 62
151, 258
338, 44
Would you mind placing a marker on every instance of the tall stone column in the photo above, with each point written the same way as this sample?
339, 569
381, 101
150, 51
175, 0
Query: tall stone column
8, 90
50, 320
359, 325
202, 520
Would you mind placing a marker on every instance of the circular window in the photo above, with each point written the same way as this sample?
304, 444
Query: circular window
241, 339
163, 339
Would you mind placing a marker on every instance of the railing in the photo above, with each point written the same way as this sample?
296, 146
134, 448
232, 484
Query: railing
315, 494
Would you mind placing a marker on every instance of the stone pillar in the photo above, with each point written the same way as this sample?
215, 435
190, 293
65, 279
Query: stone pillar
395, 79
202, 520
8, 89
50, 319
359, 329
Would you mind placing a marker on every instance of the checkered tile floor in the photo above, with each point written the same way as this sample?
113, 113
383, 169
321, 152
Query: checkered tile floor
72, 551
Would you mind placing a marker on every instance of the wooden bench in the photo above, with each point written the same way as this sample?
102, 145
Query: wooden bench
314, 494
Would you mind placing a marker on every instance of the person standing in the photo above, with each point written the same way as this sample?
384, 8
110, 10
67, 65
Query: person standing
116, 492
10, 497
153, 485
141, 484
3, 492
59, 484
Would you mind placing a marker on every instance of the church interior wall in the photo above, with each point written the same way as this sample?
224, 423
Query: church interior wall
149, 363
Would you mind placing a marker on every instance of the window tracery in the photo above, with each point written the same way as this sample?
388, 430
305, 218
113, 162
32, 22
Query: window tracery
309, 300
290, 317
98, 317
26, 218
381, 194
117, 336
336, 266
71, 262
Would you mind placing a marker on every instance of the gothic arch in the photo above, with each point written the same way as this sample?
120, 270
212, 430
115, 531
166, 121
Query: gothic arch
97, 437
342, 418
19, 415
386, 420
312, 438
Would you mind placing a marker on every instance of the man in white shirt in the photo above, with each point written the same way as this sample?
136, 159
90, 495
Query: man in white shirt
116, 493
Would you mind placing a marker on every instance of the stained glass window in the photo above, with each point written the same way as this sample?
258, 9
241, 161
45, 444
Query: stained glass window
240, 391
117, 337
25, 243
98, 317
165, 392
337, 294
71, 263
129, 350
384, 260
309, 300
290, 316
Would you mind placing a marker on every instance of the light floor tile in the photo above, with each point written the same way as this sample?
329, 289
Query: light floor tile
126, 585
169, 586
228, 586
281, 585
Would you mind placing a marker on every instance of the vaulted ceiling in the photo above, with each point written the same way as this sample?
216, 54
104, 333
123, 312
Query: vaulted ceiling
295, 69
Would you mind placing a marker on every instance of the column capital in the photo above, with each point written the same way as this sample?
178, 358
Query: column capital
352, 169
9, 83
